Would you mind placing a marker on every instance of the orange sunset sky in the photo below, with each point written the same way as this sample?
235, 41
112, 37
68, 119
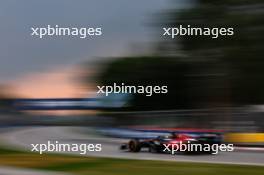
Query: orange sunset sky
54, 83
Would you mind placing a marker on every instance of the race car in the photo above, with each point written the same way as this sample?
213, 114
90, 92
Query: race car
165, 142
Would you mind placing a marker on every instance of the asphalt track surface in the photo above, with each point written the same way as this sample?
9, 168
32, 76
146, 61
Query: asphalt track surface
22, 138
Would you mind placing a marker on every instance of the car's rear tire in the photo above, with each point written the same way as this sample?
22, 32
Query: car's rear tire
134, 145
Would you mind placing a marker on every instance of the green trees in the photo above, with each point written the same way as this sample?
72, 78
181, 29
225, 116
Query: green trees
155, 71
237, 60
225, 71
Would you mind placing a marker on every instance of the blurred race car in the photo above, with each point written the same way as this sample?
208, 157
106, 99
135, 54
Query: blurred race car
165, 142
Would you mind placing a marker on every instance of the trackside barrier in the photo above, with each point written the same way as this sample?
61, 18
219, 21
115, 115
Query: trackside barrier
148, 134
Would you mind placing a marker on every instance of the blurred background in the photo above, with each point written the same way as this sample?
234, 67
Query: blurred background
213, 84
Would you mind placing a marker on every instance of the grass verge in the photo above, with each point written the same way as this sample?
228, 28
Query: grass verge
109, 166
